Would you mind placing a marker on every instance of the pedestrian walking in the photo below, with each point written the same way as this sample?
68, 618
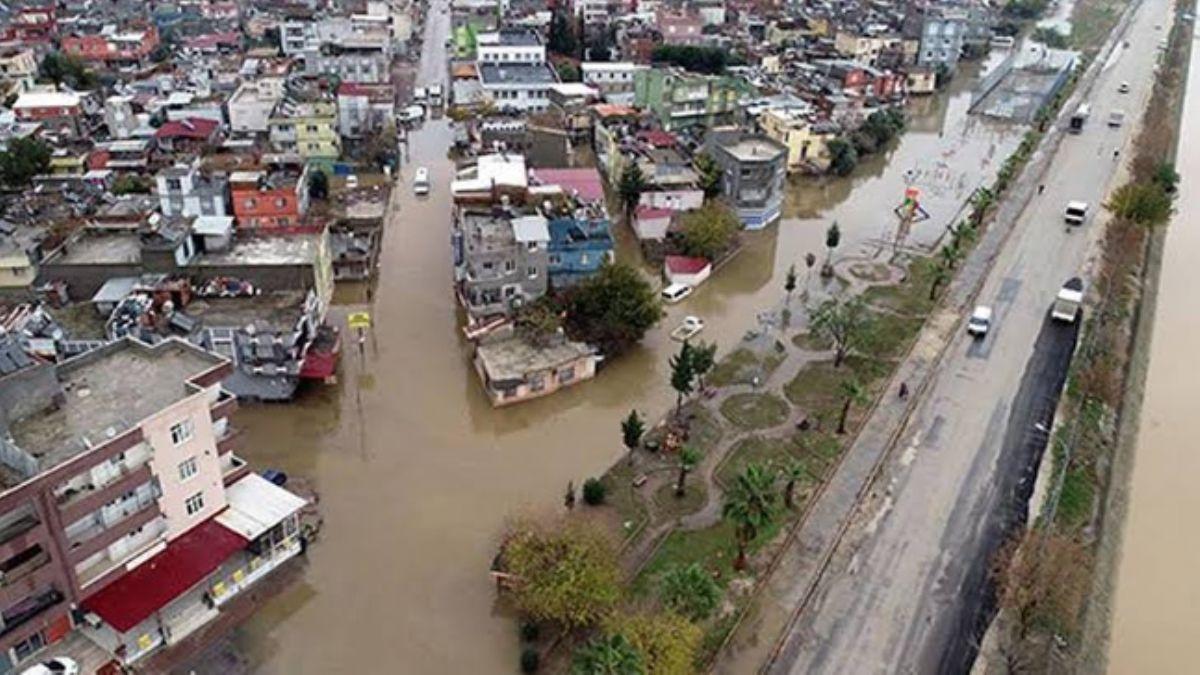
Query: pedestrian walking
1116, 154
903, 390
1041, 188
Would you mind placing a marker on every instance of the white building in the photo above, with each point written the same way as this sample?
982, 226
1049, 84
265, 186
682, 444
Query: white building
613, 80
250, 106
518, 86
510, 45
364, 108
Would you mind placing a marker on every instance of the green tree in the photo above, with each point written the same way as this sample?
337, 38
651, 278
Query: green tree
381, 144
710, 174
667, 643
704, 357
750, 507
1142, 203
1166, 176
709, 230
690, 590
842, 323
843, 157
689, 457
710, 60
630, 187
568, 72
853, 393
947, 260
318, 185
613, 655
127, 184
537, 322
562, 39
25, 158
566, 574
789, 283
632, 429
683, 374
612, 309
61, 68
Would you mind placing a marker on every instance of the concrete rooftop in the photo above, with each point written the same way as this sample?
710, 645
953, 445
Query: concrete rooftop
108, 391
294, 249
102, 249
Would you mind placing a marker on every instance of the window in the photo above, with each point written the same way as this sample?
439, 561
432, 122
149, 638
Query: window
181, 431
194, 504
29, 646
510, 265
532, 271
187, 468
531, 246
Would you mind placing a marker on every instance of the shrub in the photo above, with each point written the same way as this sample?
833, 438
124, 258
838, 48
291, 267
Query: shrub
593, 492
530, 660
530, 631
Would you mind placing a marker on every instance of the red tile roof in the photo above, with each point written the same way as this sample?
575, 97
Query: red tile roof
644, 211
149, 587
657, 137
586, 183
192, 127
682, 264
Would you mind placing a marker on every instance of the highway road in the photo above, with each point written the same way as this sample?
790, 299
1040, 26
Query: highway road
904, 583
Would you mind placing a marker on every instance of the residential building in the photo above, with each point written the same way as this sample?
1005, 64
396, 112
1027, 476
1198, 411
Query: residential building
500, 260
579, 245
681, 99
33, 26
119, 118
114, 46
55, 110
251, 105
510, 45
712, 12
517, 86
514, 370
269, 200
753, 168
867, 49
593, 12
364, 108
943, 32
614, 80
188, 191
920, 80
306, 130
805, 138
370, 67
19, 66
191, 135
684, 28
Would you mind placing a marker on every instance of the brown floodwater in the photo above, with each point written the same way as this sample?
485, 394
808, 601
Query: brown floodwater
417, 473
1157, 607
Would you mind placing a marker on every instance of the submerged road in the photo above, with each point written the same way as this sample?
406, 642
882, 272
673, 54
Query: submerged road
903, 585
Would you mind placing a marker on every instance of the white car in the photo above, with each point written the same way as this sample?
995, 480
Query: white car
59, 665
412, 113
676, 292
689, 328
421, 181
980, 321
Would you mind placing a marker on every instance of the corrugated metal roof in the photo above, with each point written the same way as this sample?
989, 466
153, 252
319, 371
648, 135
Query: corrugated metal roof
256, 505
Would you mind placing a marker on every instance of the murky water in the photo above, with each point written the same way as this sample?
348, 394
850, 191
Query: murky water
1157, 610
417, 472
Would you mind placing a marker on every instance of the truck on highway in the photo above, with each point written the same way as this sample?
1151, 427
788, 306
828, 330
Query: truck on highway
1079, 118
1068, 301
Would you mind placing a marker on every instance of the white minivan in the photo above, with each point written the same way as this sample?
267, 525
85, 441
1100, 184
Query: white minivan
1076, 212
421, 181
676, 292
980, 321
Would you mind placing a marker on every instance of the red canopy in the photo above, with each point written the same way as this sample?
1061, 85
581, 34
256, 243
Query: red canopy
152, 585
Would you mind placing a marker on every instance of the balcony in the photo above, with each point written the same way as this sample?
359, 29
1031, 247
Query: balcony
90, 498
22, 523
228, 440
98, 536
21, 613
108, 567
224, 407
233, 468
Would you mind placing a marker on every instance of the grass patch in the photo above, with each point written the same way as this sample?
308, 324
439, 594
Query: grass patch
889, 335
669, 506
816, 389
1076, 499
755, 411
812, 343
1092, 21
713, 548
704, 429
773, 453
909, 297
737, 367
625, 499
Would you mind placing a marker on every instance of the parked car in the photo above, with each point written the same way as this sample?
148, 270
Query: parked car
1123, 88
1116, 118
688, 329
421, 181
676, 292
412, 113
980, 321
59, 665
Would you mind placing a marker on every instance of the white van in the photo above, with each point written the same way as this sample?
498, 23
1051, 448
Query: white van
421, 181
1116, 118
1076, 212
980, 321
419, 94
676, 292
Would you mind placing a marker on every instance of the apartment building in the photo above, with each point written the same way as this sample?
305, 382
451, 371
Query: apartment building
121, 497
54, 110
187, 191
250, 107
501, 260
614, 80
269, 200
805, 138
510, 45
115, 46
943, 34
305, 130
753, 168
19, 67
682, 99
364, 108
523, 87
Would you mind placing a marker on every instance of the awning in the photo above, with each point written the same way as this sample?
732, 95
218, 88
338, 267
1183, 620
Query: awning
152, 585
256, 505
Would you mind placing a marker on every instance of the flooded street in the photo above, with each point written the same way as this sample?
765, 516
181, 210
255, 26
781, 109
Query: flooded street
1157, 607
417, 472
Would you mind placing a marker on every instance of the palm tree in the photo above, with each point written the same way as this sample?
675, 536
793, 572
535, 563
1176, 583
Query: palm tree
690, 590
792, 473
853, 393
632, 429
631, 186
704, 358
613, 656
683, 373
750, 506
689, 457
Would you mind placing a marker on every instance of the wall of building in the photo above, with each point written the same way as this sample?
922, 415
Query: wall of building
168, 456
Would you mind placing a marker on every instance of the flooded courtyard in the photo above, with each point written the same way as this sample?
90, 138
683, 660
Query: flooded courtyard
417, 472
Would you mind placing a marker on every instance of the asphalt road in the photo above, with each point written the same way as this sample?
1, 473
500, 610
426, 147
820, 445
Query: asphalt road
905, 588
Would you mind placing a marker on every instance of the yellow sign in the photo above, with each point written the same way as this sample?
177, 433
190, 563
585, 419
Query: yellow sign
360, 320
238, 575
145, 641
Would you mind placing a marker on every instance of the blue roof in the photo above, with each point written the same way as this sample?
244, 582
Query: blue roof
577, 234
